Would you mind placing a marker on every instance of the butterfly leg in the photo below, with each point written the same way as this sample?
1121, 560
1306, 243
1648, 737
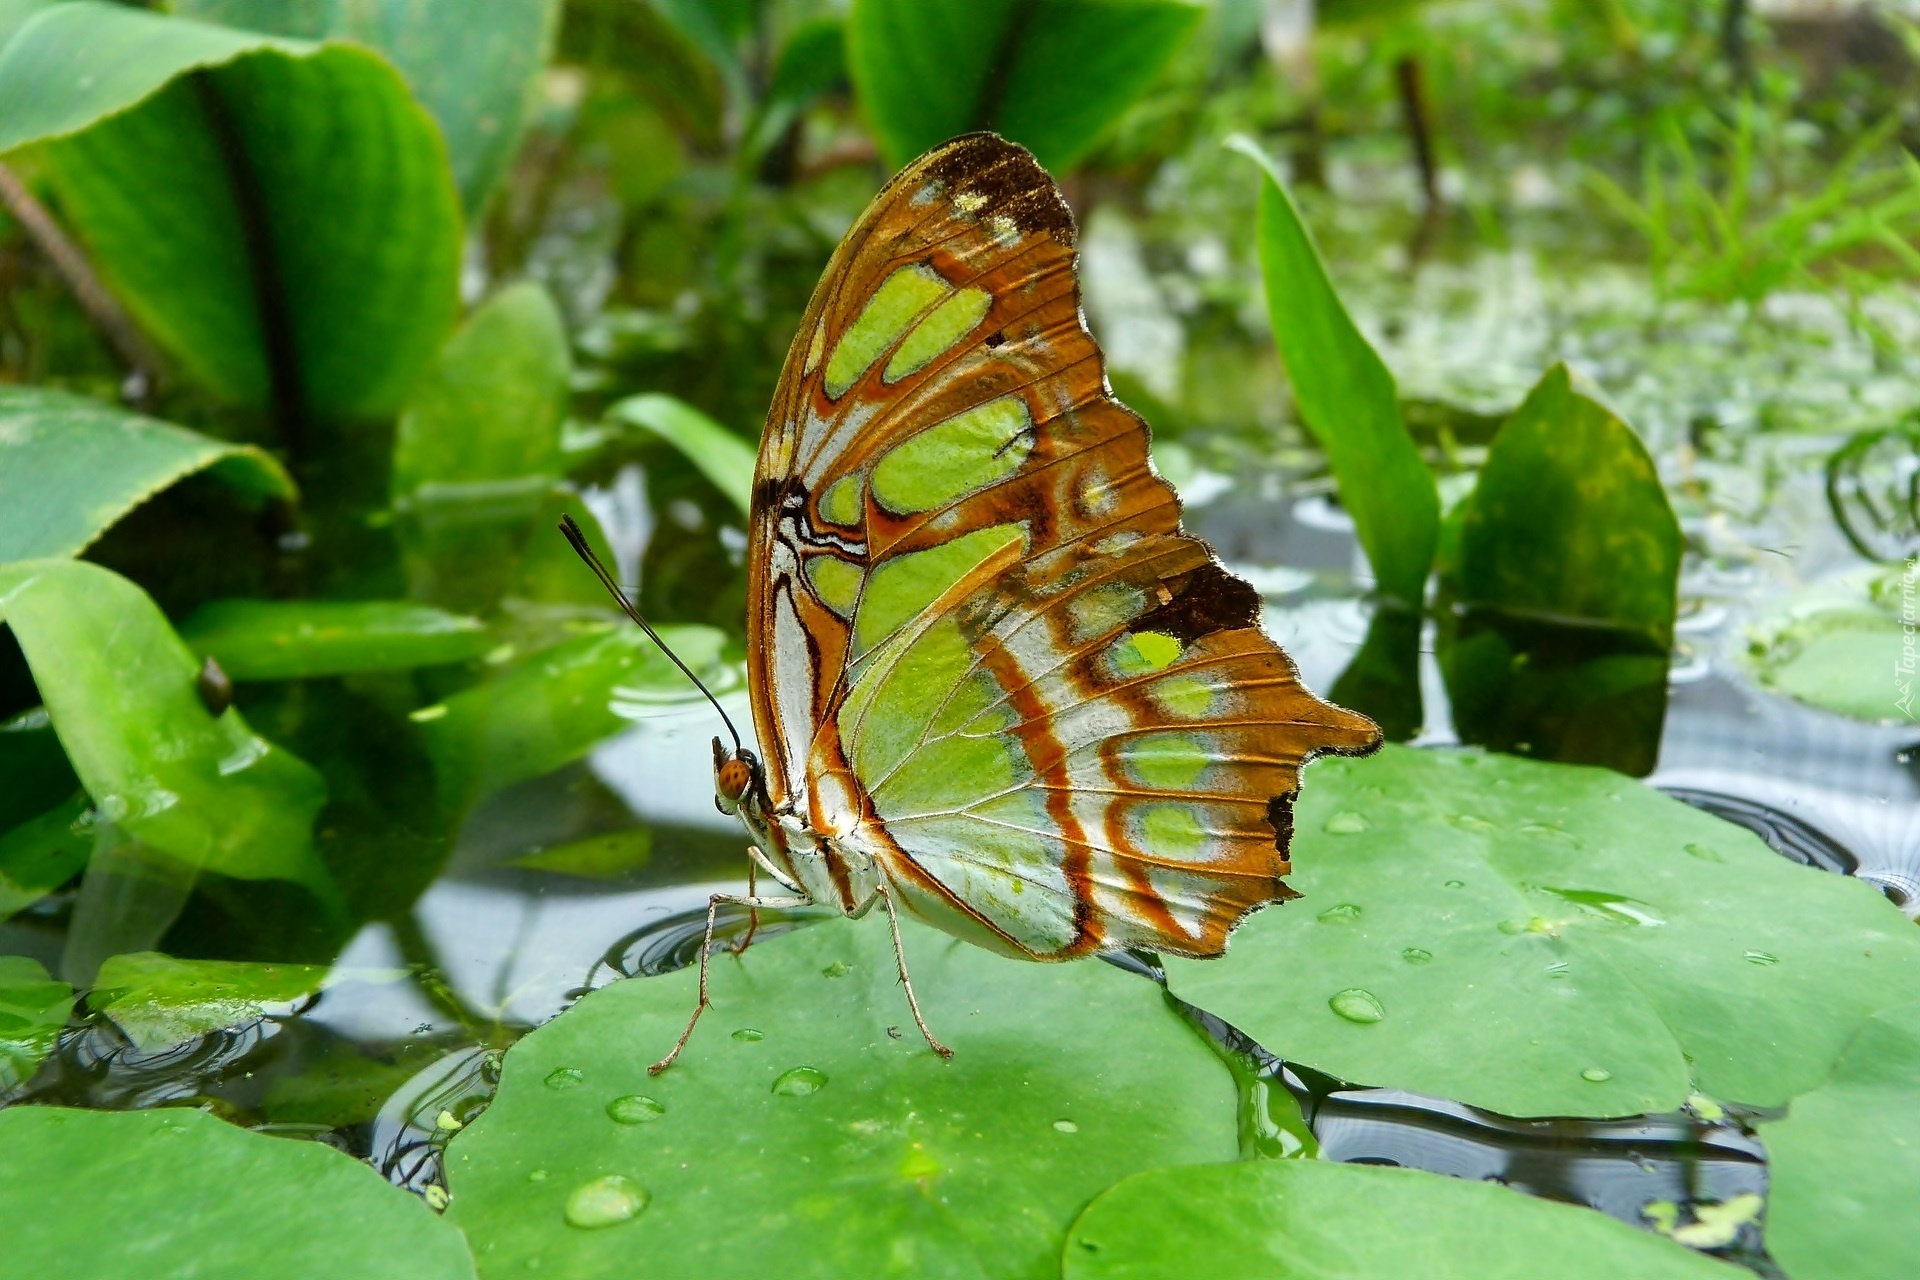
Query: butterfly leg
900, 958
706, 949
753, 913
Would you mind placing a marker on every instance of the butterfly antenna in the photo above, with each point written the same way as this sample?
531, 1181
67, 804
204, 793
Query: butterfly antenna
578, 541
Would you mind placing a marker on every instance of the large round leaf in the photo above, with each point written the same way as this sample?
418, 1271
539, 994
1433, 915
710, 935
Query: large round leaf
1308, 1220
1550, 940
278, 215
1065, 1078
178, 1194
1846, 1159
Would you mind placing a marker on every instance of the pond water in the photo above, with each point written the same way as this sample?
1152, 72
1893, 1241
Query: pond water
600, 870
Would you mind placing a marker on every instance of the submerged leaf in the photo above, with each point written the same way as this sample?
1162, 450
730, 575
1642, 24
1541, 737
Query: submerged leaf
297, 639
70, 467
196, 1196
832, 1140
1309, 1220
33, 1008
1586, 943
158, 1000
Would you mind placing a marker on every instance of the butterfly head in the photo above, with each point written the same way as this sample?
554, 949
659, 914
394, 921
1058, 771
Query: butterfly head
736, 776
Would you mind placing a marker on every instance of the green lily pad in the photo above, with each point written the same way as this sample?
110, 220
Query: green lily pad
1839, 646
1311, 1220
195, 1197
1550, 940
808, 1131
120, 688
557, 704
296, 639
612, 856
33, 1008
1844, 1161
43, 853
158, 1000
721, 456
1049, 76
70, 467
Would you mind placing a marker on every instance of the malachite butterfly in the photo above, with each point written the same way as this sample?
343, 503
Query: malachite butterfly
993, 681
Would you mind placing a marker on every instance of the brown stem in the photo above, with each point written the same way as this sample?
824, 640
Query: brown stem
102, 308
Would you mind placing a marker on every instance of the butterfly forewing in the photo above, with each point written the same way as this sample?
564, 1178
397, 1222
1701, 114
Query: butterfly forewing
983, 652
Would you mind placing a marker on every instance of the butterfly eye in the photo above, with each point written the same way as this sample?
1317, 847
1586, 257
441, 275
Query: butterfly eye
733, 779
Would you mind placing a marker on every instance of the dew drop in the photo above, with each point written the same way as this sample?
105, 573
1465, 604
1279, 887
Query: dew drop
635, 1108
1066, 1126
1703, 853
1558, 969
1416, 955
747, 1035
838, 969
1357, 1004
1456, 884
1344, 913
1762, 957
564, 1077
1596, 1075
606, 1202
799, 1082
1346, 823
537, 1175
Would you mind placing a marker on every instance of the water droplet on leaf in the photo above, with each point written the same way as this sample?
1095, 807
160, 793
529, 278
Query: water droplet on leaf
564, 1077
606, 1202
1346, 823
1762, 957
1341, 914
1456, 884
1066, 1126
1416, 955
1356, 1004
838, 969
747, 1035
799, 1082
1558, 969
635, 1108
1702, 852
1596, 1075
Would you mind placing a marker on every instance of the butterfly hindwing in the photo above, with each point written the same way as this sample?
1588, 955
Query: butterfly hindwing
983, 652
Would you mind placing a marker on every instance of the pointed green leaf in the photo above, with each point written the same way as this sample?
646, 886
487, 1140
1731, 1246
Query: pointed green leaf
120, 688
1346, 398
1051, 76
827, 1136
192, 1195
71, 467
297, 639
721, 456
1549, 940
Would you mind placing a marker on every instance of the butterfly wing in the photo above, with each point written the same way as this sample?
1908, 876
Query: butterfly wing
982, 651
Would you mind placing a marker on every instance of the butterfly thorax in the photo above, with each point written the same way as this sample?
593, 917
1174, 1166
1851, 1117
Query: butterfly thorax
827, 869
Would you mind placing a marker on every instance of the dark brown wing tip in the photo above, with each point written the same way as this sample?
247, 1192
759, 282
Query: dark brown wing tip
1007, 174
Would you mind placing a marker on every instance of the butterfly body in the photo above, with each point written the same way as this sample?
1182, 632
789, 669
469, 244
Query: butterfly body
994, 682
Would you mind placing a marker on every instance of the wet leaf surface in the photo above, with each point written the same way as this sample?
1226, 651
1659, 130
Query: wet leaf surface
1844, 1161
43, 853
1549, 940
159, 1001
121, 691
284, 223
34, 1006
797, 1132
70, 467
1310, 1220
1838, 645
296, 639
1563, 592
1051, 77
193, 1196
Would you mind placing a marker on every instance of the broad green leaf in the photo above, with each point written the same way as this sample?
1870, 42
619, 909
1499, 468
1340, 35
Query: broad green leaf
193, 1196
613, 856
1048, 74
33, 1009
1843, 1163
13, 13
1346, 398
43, 853
159, 1001
278, 215
809, 1131
1311, 1220
1549, 940
296, 639
554, 707
70, 467
721, 456
474, 76
1840, 646
120, 689
1564, 590
489, 409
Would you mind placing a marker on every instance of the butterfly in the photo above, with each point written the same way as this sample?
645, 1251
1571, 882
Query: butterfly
994, 684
